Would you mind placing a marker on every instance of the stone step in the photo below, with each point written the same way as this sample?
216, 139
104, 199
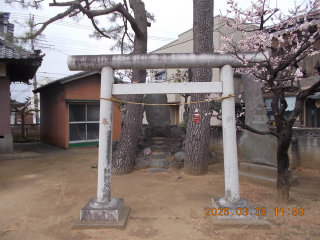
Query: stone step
158, 170
157, 142
159, 163
158, 138
141, 163
156, 148
158, 155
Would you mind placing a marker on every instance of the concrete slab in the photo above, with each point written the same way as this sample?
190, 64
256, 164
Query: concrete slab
6, 145
235, 211
78, 224
255, 224
264, 174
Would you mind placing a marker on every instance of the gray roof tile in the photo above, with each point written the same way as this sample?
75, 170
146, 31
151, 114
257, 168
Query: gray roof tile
12, 51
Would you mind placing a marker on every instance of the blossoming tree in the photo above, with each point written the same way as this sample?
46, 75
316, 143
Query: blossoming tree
288, 42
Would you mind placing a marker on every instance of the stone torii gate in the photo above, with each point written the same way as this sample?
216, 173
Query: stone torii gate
105, 211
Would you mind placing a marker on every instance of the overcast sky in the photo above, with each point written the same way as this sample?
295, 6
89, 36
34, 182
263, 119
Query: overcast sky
67, 37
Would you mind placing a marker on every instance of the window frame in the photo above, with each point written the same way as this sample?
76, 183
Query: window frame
82, 122
272, 114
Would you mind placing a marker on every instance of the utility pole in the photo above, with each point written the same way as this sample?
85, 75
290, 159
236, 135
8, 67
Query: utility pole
35, 85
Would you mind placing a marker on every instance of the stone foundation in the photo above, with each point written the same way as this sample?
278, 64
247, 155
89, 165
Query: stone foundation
263, 173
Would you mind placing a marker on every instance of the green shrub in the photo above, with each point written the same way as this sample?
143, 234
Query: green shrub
26, 140
183, 125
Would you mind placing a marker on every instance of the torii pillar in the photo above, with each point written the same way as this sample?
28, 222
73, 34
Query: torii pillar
104, 211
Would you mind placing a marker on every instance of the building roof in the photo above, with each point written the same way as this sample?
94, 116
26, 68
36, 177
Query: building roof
10, 51
66, 79
21, 64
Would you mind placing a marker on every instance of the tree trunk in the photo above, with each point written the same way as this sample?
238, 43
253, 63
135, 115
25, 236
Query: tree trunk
284, 129
197, 136
124, 156
283, 184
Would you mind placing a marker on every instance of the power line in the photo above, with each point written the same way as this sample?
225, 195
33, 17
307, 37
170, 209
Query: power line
13, 87
77, 45
81, 26
74, 42
79, 50
23, 91
174, 45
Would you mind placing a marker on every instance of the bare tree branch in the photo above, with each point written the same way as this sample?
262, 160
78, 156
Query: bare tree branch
51, 20
97, 29
25, 4
62, 4
116, 8
251, 129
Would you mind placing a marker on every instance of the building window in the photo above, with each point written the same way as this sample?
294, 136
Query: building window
160, 76
312, 114
84, 122
291, 101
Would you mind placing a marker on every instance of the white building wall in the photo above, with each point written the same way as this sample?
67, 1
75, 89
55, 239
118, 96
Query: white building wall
40, 83
184, 44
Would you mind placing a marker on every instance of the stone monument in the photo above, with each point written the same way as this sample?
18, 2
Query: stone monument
257, 148
259, 152
157, 115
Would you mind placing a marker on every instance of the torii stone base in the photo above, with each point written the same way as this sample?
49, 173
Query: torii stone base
240, 215
94, 215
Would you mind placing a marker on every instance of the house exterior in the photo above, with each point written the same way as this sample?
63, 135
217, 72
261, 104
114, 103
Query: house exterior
70, 108
184, 44
16, 65
40, 83
310, 116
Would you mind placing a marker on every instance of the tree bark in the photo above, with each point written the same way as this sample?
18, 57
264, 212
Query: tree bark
283, 184
284, 130
124, 156
197, 136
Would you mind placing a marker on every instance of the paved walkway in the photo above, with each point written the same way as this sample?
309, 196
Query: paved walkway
37, 149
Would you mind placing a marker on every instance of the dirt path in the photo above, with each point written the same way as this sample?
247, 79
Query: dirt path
42, 196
